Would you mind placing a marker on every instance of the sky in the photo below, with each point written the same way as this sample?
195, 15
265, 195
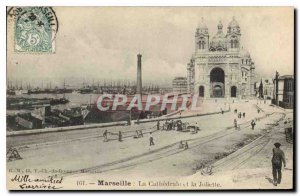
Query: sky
102, 43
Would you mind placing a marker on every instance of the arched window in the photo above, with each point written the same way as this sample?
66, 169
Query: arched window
201, 44
235, 43
233, 91
231, 43
201, 91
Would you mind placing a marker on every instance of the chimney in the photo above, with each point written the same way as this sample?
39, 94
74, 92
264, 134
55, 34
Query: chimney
139, 74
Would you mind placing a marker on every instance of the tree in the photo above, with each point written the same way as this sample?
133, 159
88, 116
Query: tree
260, 89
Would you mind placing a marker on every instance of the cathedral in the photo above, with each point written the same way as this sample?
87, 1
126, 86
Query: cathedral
220, 66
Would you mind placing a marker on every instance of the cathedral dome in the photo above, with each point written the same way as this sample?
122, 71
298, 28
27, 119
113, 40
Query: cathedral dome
219, 41
233, 23
233, 27
202, 24
202, 28
244, 53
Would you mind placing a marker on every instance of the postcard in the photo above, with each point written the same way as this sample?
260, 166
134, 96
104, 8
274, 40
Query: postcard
150, 98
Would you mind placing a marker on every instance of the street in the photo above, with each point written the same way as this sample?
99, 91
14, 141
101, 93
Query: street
217, 144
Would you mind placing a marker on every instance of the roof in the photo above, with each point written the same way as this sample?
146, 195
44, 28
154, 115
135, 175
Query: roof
245, 53
286, 77
180, 78
233, 23
202, 25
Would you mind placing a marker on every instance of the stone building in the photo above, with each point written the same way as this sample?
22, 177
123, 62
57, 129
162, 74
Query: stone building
179, 84
267, 88
220, 67
284, 91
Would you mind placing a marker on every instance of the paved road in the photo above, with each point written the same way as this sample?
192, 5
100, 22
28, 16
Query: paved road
85, 149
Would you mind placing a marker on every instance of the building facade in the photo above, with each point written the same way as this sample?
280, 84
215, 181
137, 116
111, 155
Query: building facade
267, 88
284, 90
179, 85
220, 67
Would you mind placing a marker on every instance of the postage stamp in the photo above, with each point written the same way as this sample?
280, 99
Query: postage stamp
35, 29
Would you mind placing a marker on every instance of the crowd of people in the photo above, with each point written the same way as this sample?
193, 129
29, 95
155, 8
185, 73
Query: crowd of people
168, 125
243, 115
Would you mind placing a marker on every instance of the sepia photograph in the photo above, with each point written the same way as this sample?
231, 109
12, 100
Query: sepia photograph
150, 98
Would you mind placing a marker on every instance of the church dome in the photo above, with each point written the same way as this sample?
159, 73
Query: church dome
202, 28
233, 23
202, 24
233, 27
219, 41
244, 53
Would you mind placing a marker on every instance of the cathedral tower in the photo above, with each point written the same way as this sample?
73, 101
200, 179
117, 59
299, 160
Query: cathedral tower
233, 36
202, 37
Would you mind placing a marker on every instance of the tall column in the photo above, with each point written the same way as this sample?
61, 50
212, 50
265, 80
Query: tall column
139, 74
276, 87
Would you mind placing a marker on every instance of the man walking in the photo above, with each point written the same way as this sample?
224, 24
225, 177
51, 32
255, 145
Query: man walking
186, 146
158, 125
120, 136
235, 124
151, 139
105, 136
277, 160
253, 124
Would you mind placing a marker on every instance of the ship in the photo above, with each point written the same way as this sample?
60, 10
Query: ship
19, 103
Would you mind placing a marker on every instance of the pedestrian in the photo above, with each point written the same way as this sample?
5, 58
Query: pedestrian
222, 110
252, 124
151, 139
141, 133
157, 125
235, 124
181, 145
277, 160
120, 136
105, 136
244, 114
186, 146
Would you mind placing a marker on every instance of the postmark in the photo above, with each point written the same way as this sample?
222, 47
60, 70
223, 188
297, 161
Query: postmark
35, 29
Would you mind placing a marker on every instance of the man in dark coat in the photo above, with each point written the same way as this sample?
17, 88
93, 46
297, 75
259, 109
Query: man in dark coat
120, 136
105, 136
277, 160
235, 123
151, 139
253, 124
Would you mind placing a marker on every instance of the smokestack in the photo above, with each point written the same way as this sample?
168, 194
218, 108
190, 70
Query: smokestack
139, 74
